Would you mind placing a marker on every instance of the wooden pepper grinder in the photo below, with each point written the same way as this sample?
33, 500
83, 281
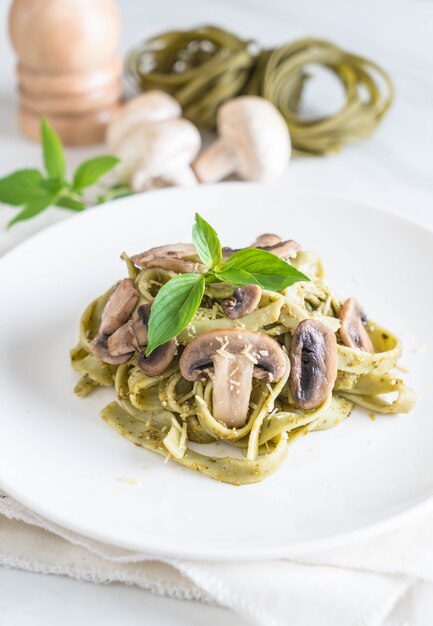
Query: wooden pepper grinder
68, 69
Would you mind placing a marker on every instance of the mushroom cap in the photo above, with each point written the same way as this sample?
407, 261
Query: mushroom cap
257, 132
232, 358
118, 307
169, 251
159, 360
162, 356
353, 330
99, 347
263, 351
313, 360
266, 239
283, 249
129, 337
179, 257
152, 151
244, 300
147, 108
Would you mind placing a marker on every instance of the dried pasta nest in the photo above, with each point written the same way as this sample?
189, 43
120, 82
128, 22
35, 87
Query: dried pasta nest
205, 67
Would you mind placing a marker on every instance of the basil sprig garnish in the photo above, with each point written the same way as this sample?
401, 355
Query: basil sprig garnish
173, 308
34, 191
206, 243
178, 300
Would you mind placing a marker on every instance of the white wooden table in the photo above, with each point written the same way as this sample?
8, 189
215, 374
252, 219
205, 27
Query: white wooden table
393, 170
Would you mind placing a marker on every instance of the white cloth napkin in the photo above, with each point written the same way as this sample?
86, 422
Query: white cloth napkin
385, 580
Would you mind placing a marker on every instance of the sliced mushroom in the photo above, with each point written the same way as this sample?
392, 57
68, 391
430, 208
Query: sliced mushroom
171, 251
131, 336
119, 307
313, 360
353, 330
180, 266
116, 312
162, 356
267, 239
244, 300
232, 358
159, 360
99, 347
283, 249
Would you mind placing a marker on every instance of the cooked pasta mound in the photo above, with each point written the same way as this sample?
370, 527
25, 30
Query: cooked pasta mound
255, 369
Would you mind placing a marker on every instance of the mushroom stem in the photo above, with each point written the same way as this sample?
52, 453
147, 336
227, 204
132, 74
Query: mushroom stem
218, 161
181, 176
232, 383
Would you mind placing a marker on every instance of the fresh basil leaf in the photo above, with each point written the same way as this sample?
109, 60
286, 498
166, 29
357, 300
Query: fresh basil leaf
54, 185
32, 208
206, 242
70, 203
54, 159
21, 186
210, 278
173, 308
267, 270
236, 276
114, 192
89, 172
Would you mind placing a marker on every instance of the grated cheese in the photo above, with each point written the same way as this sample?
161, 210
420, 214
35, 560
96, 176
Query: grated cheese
271, 391
222, 352
250, 357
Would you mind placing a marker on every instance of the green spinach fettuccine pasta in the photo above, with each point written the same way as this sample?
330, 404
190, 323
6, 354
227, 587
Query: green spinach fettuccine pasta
302, 357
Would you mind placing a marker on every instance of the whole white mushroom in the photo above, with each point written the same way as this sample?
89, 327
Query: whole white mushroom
254, 142
147, 108
159, 154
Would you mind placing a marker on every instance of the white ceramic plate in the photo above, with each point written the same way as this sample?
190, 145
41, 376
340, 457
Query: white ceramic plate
59, 458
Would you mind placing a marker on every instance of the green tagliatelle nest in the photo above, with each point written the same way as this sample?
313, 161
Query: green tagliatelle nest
169, 415
204, 68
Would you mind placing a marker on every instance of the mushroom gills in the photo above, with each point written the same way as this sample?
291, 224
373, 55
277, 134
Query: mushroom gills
157, 362
231, 358
128, 338
243, 301
180, 266
313, 359
353, 330
99, 347
283, 249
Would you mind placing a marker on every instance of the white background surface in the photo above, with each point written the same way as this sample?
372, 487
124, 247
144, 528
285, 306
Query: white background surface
392, 170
